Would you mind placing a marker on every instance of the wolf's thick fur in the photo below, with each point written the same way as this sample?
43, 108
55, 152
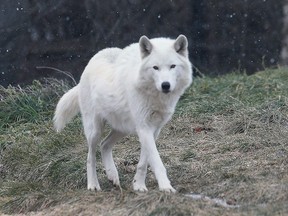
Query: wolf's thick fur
135, 91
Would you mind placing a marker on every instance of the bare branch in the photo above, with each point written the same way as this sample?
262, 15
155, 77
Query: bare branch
68, 74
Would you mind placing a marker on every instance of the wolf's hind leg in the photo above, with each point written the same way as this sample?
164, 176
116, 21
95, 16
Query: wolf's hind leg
107, 158
93, 130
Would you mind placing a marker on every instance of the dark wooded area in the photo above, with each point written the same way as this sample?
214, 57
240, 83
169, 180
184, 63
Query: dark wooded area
224, 35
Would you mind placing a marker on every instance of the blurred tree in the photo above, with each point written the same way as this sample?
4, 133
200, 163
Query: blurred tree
240, 35
224, 35
284, 51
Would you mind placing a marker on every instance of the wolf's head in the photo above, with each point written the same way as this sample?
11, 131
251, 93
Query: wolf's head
165, 63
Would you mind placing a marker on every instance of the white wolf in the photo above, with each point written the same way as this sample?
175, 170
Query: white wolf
135, 91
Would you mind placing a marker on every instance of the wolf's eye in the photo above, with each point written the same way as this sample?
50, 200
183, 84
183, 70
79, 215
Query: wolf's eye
172, 66
155, 67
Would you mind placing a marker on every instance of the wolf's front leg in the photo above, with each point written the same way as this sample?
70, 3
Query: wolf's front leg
139, 179
150, 152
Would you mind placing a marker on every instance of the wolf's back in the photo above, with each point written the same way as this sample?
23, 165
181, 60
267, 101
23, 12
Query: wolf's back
66, 109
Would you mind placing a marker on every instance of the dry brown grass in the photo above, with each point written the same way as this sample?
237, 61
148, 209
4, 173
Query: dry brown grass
221, 144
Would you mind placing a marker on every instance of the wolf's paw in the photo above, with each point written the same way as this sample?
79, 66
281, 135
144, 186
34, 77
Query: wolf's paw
114, 180
93, 187
168, 189
113, 177
139, 187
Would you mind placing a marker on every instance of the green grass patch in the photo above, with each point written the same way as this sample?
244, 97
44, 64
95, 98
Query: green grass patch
227, 94
30, 104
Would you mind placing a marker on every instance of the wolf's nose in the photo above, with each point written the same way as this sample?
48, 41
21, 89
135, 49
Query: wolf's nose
165, 87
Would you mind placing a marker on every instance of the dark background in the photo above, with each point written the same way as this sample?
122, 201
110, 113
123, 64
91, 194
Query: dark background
224, 35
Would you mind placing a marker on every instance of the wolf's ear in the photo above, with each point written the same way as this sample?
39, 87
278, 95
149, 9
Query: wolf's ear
145, 46
181, 45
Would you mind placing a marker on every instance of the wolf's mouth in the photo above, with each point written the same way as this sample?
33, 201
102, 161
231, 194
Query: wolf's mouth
165, 91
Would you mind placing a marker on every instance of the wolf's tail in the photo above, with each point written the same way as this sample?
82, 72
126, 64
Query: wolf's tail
66, 109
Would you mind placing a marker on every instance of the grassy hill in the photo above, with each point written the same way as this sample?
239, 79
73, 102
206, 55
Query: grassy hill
226, 146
